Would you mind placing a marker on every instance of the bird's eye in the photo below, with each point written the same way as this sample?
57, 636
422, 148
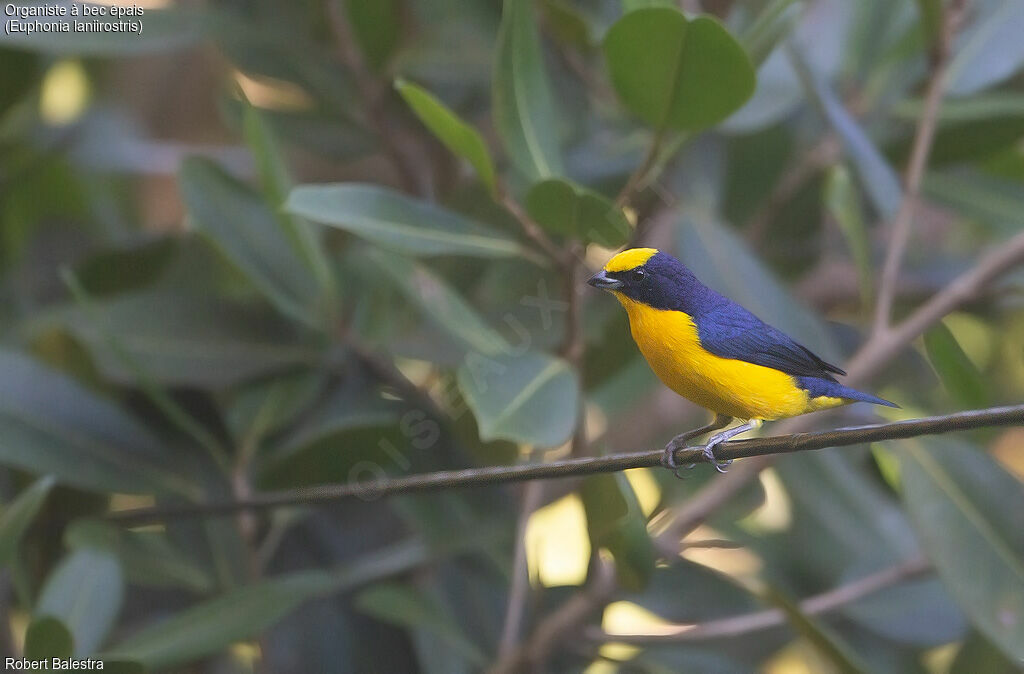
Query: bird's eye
638, 275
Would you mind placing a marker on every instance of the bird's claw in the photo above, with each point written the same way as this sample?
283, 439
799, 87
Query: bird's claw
668, 460
709, 454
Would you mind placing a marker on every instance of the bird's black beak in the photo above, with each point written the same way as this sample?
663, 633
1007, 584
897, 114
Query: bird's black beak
604, 282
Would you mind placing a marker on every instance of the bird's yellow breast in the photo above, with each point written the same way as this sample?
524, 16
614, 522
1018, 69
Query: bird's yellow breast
670, 343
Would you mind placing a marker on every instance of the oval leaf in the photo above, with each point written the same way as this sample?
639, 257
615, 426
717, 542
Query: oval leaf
524, 110
961, 378
439, 303
48, 638
245, 229
187, 340
408, 607
51, 424
213, 625
19, 514
967, 511
85, 593
400, 223
843, 205
675, 73
616, 523
567, 209
991, 49
825, 641
456, 135
531, 399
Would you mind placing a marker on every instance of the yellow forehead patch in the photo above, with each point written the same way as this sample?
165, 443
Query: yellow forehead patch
630, 259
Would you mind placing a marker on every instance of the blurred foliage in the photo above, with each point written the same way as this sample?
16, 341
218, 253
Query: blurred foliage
269, 245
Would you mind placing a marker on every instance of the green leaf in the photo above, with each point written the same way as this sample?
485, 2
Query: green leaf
879, 179
85, 593
439, 303
406, 606
148, 558
966, 510
187, 340
400, 223
277, 184
995, 202
567, 24
531, 398
990, 50
844, 205
456, 135
824, 640
616, 523
524, 110
18, 515
772, 23
211, 626
985, 108
978, 656
931, 12
375, 25
967, 387
241, 225
47, 638
269, 404
129, 268
51, 425
564, 208
675, 73
687, 592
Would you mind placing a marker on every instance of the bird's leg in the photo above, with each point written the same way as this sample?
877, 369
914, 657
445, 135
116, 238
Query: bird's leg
719, 438
669, 458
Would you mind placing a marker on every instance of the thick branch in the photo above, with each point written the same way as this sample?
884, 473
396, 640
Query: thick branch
752, 622
492, 475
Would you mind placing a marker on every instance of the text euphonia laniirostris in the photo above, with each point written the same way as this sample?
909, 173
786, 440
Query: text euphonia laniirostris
712, 351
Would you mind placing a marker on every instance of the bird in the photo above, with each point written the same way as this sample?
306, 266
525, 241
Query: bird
717, 354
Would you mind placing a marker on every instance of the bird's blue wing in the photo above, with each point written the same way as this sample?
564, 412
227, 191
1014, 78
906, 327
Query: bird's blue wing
730, 331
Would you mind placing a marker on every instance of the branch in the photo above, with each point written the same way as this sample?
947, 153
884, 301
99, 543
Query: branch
883, 347
919, 153
879, 350
372, 95
759, 620
531, 656
493, 475
633, 183
519, 588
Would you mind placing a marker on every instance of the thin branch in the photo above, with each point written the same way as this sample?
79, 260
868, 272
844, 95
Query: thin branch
751, 622
633, 183
519, 589
823, 153
532, 229
372, 95
493, 475
577, 609
921, 149
881, 349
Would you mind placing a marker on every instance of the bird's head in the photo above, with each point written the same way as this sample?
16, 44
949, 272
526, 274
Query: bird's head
649, 276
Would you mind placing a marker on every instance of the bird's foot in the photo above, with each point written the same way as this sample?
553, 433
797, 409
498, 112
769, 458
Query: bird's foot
709, 453
668, 459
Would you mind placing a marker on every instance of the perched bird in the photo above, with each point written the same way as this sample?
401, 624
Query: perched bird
712, 351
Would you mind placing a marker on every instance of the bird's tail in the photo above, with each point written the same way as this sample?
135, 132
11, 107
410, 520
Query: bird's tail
823, 387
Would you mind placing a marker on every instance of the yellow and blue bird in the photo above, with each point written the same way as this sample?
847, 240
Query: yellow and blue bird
715, 353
